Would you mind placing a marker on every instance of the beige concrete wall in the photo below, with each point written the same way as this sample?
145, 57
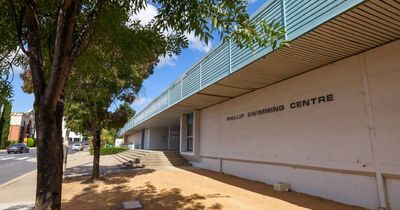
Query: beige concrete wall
135, 139
323, 149
158, 138
383, 68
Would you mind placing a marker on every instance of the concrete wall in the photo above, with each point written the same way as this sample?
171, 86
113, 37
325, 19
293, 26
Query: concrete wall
135, 139
323, 149
147, 138
158, 138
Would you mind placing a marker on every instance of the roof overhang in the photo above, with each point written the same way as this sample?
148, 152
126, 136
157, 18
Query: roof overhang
366, 26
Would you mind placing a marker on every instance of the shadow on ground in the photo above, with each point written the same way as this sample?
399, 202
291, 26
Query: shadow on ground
110, 179
84, 170
300, 199
148, 195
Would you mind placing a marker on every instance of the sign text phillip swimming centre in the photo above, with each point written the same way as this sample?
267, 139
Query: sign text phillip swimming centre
279, 108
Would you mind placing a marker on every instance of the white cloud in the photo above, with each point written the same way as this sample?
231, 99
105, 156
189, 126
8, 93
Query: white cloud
141, 101
251, 1
146, 15
197, 44
167, 61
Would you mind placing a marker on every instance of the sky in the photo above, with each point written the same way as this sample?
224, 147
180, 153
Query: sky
165, 73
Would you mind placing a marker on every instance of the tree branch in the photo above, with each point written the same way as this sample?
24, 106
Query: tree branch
18, 26
61, 64
34, 48
86, 28
66, 49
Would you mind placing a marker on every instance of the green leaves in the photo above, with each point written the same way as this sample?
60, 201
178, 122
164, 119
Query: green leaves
5, 117
229, 18
116, 56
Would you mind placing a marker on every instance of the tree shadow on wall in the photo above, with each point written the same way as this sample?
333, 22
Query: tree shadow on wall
92, 197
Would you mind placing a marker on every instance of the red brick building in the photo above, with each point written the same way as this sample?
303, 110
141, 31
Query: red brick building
22, 126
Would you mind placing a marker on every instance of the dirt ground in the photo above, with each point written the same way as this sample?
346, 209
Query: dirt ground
184, 188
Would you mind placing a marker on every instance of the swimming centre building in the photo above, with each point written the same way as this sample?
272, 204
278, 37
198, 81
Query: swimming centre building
322, 114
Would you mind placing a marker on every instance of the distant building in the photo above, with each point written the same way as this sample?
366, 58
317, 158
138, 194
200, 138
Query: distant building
70, 136
22, 126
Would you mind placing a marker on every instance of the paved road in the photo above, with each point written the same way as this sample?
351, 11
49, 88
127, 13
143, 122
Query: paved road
15, 165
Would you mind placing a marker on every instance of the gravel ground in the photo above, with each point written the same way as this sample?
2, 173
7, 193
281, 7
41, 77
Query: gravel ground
184, 188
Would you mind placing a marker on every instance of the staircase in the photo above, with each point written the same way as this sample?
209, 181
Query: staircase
152, 157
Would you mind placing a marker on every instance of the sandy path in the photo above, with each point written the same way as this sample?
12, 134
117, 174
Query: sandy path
185, 188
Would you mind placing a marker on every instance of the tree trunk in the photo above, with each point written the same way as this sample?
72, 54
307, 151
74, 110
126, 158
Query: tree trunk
49, 156
96, 154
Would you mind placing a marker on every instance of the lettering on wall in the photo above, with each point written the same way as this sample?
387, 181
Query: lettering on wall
279, 108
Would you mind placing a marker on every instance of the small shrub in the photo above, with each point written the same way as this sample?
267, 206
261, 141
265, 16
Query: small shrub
8, 143
31, 142
109, 150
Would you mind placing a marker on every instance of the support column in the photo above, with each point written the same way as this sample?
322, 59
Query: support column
196, 134
383, 200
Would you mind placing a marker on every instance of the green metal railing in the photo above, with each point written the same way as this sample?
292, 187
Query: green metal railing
298, 17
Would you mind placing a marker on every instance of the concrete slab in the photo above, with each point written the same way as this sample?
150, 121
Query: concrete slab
132, 205
20, 191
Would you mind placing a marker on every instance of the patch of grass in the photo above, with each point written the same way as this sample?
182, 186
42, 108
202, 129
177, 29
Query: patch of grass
110, 150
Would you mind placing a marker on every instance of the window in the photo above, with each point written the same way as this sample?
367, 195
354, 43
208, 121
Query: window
189, 143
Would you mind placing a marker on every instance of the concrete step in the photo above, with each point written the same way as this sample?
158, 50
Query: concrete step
131, 155
152, 158
174, 162
157, 159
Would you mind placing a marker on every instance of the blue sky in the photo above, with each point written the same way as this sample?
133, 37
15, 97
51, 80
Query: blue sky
168, 70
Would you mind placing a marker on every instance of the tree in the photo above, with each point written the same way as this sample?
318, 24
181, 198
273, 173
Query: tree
108, 136
53, 34
5, 124
106, 73
90, 97
6, 75
81, 118
92, 117
8, 56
